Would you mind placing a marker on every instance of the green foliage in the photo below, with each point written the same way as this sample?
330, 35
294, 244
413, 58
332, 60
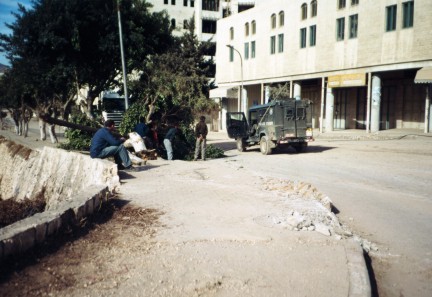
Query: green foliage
78, 139
132, 117
213, 152
280, 91
175, 84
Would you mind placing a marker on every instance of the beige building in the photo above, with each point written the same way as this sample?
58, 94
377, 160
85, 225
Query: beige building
357, 60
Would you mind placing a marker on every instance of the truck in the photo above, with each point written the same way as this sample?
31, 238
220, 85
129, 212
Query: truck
280, 123
112, 106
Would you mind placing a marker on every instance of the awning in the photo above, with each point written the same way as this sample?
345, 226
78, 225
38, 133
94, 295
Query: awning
223, 93
424, 76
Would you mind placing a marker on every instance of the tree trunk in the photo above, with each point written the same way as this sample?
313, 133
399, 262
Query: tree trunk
42, 129
52, 133
25, 128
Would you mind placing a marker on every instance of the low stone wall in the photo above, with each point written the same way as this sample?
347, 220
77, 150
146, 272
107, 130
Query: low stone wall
73, 184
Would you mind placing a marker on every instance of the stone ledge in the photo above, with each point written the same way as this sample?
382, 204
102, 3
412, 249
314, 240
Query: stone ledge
25, 234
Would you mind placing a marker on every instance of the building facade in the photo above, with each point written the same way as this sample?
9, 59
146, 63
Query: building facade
357, 60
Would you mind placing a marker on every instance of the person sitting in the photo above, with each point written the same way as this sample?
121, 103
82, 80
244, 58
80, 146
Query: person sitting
104, 145
143, 130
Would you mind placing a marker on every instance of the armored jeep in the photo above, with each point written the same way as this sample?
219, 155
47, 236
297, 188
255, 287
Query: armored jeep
279, 123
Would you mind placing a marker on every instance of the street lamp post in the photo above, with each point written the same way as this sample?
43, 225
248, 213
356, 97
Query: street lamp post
241, 78
122, 56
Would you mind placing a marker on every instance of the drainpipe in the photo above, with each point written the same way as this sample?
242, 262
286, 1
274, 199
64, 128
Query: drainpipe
368, 103
427, 109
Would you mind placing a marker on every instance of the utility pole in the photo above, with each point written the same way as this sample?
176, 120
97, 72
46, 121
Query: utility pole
122, 56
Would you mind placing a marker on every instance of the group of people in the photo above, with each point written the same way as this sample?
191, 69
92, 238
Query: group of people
105, 144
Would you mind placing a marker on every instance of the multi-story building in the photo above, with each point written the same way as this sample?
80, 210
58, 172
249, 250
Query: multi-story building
361, 62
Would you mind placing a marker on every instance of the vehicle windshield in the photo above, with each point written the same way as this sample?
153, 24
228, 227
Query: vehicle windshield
113, 104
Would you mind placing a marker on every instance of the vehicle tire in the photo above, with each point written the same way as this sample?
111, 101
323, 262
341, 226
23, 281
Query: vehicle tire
265, 147
241, 145
301, 147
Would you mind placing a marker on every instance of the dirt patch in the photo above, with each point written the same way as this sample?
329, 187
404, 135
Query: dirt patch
12, 211
83, 256
15, 149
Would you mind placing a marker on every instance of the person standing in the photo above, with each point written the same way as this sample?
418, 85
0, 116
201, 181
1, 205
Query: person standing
201, 132
169, 137
104, 145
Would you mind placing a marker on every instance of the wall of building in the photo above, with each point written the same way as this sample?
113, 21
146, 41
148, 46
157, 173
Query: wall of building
393, 55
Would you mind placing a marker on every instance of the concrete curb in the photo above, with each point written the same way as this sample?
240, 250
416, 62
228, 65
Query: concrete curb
25, 234
359, 283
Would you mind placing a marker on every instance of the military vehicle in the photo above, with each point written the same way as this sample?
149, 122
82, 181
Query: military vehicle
279, 123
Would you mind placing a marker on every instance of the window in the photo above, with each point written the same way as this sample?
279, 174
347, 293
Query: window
173, 23
312, 35
314, 8
408, 14
253, 27
304, 11
355, 2
192, 3
185, 2
246, 50
253, 49
247, 29
165, 1
302, 37
340, 29
353, 25
272, 45
185, 24
210, 5
231, 33
281, 19
273, 21
341, 4
280, 43
209, 26
231, 54
172, 2
391, 18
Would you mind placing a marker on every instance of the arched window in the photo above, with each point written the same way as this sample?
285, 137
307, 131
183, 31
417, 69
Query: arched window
253, 27
231, 33
281, 19
314, 8
247, 29
304, 11
273, 21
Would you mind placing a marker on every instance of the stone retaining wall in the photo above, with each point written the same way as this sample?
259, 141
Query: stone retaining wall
74, 186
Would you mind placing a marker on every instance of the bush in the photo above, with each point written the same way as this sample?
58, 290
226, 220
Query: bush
77, 139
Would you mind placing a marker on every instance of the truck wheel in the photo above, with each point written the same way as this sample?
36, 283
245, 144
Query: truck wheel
300, 148
265, 147
241, 145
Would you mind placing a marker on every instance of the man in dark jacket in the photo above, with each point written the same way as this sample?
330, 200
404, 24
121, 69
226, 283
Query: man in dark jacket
201, 138
169, 137
104, 145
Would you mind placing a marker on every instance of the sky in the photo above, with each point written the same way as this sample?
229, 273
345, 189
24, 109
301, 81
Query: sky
6, 6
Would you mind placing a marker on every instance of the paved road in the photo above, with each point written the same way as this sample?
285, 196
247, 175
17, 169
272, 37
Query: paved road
382, 191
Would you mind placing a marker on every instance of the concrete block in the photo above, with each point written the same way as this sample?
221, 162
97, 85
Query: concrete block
10, 245
1, 251
53, 224
79, 212
26, 239
89, 206
41, 232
